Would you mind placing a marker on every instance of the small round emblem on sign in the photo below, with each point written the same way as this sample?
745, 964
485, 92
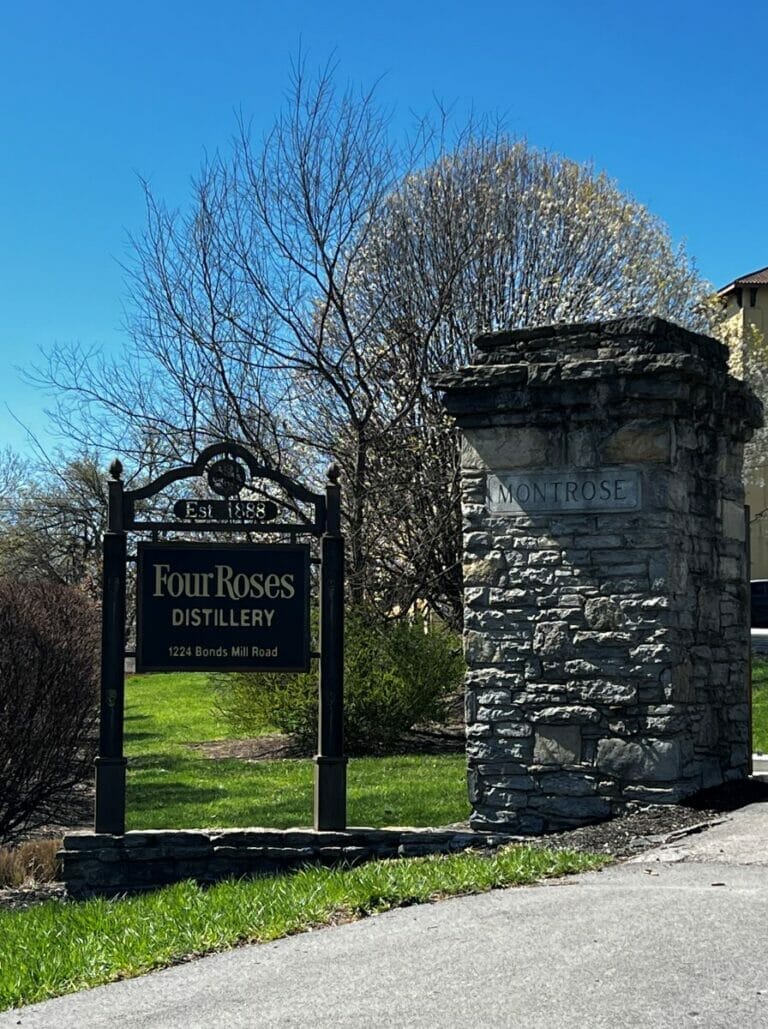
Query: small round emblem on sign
226, 477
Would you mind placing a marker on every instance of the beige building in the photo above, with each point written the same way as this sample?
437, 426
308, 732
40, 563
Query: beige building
746, 311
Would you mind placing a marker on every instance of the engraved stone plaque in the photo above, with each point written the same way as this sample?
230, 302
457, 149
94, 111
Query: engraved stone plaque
563, 490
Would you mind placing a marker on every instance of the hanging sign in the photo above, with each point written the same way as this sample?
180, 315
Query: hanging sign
208, 607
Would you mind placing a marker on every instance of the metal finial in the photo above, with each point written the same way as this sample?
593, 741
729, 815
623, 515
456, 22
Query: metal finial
116, 469
333, 473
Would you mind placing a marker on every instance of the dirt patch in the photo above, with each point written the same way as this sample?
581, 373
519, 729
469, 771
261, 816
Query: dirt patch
274, 747
424, 740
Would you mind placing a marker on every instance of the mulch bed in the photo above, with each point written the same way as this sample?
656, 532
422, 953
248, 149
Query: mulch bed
653, 824
426, 740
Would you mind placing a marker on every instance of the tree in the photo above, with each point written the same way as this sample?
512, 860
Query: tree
749, 361
317, 281
494, 235
52, 520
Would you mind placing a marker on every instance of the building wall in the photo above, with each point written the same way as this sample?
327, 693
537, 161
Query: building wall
741, 319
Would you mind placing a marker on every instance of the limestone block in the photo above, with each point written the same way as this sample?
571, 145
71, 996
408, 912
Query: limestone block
552, 638
707, 733
493, 749
611, 693
485, 619
678, 683
512, 730
490, 697
492, 714
544, 557
557, 745
509, 447
581, 448
582, 808
581, 667
484, 571
656, 794
482, 649
514, 794
654, 760
476, 596
566, 715
731, 568
491, 769
640, 440
477, 541
603, 614
732, 517
572, 784
510, 598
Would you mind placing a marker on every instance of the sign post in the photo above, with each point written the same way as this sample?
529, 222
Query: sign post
330, 763
240, 607
109, 816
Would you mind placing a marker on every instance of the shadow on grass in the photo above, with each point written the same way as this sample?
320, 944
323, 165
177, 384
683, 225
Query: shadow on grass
132, 737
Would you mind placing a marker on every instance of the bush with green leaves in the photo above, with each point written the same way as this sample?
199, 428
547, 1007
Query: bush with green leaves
397, 674
49, 655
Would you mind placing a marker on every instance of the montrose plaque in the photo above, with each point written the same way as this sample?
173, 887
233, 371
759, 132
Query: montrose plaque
564, 490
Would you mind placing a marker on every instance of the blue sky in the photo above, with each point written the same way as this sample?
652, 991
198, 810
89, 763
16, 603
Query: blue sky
667, 98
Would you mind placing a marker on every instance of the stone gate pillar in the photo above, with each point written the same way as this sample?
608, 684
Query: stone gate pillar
605, 576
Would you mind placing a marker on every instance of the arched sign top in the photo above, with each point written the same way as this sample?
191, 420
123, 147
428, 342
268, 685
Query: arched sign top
226, 450
226, 477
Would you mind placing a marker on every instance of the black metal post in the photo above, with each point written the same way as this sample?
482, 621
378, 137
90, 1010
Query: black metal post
330, 763
109, 814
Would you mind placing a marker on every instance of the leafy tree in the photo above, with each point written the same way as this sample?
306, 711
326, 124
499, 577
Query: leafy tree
495, 235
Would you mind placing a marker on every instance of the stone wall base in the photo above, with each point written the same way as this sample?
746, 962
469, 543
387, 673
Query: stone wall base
100, 864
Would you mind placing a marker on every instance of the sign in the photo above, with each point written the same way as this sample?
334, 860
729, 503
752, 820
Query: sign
208, 607
225, 510
567, 490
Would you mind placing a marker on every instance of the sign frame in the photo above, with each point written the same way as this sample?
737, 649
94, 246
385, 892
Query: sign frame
230, 463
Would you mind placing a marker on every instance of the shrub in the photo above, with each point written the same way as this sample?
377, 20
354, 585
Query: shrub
35, 861
396, 675
49, 648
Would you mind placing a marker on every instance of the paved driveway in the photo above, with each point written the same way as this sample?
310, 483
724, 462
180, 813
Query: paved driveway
673, 938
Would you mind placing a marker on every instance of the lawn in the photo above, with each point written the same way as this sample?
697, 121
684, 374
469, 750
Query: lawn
171, 785
58, 948
760, 706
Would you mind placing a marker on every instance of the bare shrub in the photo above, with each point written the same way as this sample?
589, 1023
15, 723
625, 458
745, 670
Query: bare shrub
49, 650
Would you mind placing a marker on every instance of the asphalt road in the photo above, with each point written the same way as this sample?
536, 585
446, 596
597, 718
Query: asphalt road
674, 938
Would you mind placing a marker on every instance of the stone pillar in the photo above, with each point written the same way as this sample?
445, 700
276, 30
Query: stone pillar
605, 575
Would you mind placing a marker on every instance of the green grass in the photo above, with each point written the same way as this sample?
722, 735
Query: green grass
171, 786
58, 948
760, 706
